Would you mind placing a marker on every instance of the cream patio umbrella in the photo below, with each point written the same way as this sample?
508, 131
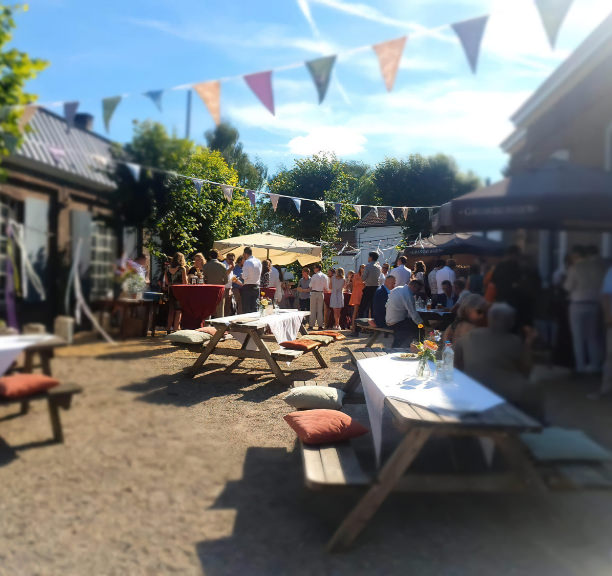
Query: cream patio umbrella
282, 250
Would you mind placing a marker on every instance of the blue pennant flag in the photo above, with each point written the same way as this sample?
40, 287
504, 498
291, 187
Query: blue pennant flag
156, 97
338, 207
198, 185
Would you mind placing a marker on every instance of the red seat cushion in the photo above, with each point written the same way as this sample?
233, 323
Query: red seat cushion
18, 385
303, 345
324, 426
207, 330
335, 335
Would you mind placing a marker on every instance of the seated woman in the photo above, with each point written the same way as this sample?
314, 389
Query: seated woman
198, 265
471, 314
500, 360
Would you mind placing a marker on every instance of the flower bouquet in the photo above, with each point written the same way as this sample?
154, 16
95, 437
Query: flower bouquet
133, 283
263, 304
427, 352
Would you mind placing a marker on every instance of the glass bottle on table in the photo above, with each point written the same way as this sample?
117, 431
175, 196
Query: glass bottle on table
448, 362
429, 304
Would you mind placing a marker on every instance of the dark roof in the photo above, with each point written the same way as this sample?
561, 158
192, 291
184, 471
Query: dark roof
347, 244
371, 219
77, 155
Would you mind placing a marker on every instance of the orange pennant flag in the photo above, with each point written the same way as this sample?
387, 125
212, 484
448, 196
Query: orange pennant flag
26, 116
210, 92
389, 57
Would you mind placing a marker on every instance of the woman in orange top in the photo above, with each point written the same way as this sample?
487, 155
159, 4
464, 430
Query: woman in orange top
355, 300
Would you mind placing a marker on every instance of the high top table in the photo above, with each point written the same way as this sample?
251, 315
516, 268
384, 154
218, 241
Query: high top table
198, 302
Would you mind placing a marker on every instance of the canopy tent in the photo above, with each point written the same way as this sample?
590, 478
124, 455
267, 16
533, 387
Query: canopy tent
556, 196
439, 244
282, 250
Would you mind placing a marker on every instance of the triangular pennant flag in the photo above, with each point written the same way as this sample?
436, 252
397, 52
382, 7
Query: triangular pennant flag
57, 154
261, 85
389, 57
390, 211
26, 116
357, 209
134, 170
320, 204
298, 203
552, 14
430, 211
198, 185
227, 191
70, 110
375, 208
320, 70
470, 34
156, 96
251, 195
338, 209
274, 200
210, 93
405, 212
109, 106
416, 210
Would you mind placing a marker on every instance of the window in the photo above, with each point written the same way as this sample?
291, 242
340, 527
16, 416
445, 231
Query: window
9, 209
103, 250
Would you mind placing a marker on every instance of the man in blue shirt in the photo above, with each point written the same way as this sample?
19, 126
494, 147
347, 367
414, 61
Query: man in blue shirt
380, 302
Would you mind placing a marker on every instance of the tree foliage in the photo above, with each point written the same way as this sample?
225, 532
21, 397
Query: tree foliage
16, 68
226, 139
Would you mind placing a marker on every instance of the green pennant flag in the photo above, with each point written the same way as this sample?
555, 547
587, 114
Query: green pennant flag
320, 70
108, 109
552, 14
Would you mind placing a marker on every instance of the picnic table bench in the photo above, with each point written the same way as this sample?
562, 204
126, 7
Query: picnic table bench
364, 324
57, 397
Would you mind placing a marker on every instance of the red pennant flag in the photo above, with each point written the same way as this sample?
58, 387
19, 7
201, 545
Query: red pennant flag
261, 85
389, 57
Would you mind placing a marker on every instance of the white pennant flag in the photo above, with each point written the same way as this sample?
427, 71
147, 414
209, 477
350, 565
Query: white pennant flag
405, 212
198, 185
375, 208
390, 210
274, 200
320, 204
357, 208
298, 203
134, 170
227, 192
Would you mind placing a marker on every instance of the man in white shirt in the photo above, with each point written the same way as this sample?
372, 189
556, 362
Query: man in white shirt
401, 272
318, 285
446, 273
402, 316
384, 272
431, 280
251, 273
606, 300
275, 282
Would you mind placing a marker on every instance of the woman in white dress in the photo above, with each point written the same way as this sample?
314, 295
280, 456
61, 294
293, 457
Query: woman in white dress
276, 281
336, 301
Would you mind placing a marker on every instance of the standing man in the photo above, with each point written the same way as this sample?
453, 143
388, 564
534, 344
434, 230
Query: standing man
446, 273
303, 290
251, 274
432, 281
401, 272
318, 285
370, 278
402, 316
380, 302
215, 272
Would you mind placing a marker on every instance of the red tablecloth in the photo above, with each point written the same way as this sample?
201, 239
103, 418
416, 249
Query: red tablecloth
198, 302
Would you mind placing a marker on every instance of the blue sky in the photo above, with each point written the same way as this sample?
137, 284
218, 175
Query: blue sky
100, 49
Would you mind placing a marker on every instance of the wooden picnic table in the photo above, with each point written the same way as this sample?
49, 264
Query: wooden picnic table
502, 424
254, 327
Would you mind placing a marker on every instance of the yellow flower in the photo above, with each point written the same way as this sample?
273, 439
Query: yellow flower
420, 326
263, 293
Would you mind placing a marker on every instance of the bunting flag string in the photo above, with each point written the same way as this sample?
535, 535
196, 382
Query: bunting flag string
357, 209
319, 203
389, 58
156, 97
228, 191
135, 171
210, 93
274, 201
405, 212
298, 204
320, 70
109, 105
251, 195
70, 110
470, 33
338, 209
261, 85
198, 183
552, 13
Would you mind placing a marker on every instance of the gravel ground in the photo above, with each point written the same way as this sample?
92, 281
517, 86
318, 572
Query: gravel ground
160, 474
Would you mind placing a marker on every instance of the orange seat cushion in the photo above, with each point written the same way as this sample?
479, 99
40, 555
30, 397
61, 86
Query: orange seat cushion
335, 335
303, 345
207, 330
18, 385
322, 426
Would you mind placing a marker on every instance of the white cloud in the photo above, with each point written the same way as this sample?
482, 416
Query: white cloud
305, 9
338, 139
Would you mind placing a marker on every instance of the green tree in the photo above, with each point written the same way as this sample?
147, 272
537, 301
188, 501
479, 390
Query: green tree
16, 68
226, 139
421, 181
191, 222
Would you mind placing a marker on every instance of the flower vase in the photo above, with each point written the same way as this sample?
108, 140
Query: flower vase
423, 371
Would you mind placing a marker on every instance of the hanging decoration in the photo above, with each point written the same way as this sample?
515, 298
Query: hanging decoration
320, 70
552, 13
338, 209
274, 201
405, 212
210, 93
26, 116
134, 170
227, 191
156, 97
57, 154
70, 110
320, 204
470, 33
251, 195
261, 85
389, 57
298, 204
390, 211
109, 105
198, 183
357, 209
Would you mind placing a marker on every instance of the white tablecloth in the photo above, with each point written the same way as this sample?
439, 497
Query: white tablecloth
284, 325
11, 347
389, 376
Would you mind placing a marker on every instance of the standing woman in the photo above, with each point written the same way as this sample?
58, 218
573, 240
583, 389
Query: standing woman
264, 282
175, 274
419, 271
336, 301
355, 300
303, 290
348, 287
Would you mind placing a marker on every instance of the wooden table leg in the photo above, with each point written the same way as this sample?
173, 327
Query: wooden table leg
56, 423
352, 382
212, 344
45, 361
265, 352
315, 352
515, 454
371, 339
388, 477
28, 365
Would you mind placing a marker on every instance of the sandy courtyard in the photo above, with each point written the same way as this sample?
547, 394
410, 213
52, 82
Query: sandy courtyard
164, 475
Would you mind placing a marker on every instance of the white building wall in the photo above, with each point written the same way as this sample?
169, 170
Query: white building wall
346, 262
383, 238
